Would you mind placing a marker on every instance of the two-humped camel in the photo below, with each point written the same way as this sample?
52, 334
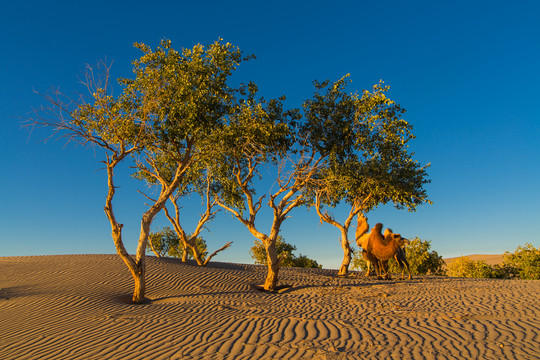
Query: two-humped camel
378, 249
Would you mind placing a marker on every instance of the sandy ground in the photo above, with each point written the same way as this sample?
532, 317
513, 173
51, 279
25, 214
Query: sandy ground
73, 307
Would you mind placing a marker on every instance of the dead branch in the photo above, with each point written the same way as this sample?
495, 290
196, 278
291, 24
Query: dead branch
227, 245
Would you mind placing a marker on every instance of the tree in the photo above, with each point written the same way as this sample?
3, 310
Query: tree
167, 242
264, 135
260, 133
162, 241
377, 170
164, 114
285, 255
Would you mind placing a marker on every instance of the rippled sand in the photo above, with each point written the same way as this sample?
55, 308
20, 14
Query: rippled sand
74, 307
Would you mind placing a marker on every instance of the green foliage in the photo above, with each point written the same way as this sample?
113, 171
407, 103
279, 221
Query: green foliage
259, 133
167, 243
465, 267
368, 164
162, 241
358, 262
524, 262
421, 260
285, 251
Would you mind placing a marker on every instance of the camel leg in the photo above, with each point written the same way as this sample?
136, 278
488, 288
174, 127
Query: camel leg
408, 269
371, 263
398, 259
386, 268
402, 262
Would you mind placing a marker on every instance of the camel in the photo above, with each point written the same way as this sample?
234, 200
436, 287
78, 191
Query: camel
378, 249
383, 247
400, 257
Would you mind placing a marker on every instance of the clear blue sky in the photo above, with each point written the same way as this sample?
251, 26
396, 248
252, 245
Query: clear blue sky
466, 71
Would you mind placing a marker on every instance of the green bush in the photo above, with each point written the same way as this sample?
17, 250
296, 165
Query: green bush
524, 262
284, 250
465, 267
421, 260
358, 262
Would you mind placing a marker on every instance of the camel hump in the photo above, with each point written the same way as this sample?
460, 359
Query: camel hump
374, 239
362, 228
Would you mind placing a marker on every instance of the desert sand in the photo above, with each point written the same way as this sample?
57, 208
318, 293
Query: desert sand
75, 307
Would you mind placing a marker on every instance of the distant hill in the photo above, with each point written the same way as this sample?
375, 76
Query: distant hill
489, 259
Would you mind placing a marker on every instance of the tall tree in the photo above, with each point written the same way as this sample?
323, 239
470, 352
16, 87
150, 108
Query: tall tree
379, 169
265, 136
259, 134
174, 102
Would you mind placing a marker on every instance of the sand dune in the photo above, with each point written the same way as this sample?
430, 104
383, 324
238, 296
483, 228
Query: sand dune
74, 307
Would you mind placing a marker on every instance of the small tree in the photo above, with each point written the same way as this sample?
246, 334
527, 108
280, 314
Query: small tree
167, 242
525, 261
284, 252
162, 115
263, 135
376, 169
162, 241
200, 180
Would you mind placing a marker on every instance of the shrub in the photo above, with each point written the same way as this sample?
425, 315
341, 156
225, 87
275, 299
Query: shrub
358, 262
285, 251
524, 262
465, 267
421, 260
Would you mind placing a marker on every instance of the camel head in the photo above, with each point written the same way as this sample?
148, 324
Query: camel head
401, 241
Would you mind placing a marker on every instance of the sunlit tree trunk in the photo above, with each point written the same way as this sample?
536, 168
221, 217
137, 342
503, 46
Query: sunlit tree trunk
272, 260
135, 268
347, 252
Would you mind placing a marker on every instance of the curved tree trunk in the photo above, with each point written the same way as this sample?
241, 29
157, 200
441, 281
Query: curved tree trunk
195, 252
136, 268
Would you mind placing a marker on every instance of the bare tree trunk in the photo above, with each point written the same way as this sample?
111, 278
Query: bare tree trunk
184, 253
347, 252
195, 252
140, 283
135, 267
273, 266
